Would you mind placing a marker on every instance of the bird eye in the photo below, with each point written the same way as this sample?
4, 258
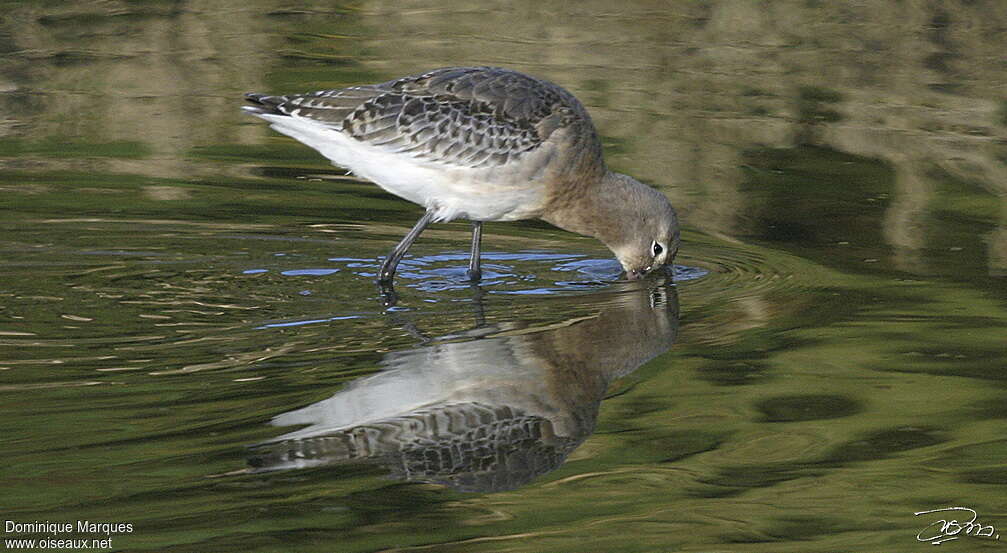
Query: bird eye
657, 248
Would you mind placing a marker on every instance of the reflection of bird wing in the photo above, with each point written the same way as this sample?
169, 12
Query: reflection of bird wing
467, 446
486, 414
460, 116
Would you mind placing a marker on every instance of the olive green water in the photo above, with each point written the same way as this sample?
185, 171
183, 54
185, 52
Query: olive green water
191, 342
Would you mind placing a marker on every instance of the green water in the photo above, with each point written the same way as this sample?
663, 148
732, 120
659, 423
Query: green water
188, 317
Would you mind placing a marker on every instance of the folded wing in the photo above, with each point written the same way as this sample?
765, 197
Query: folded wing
468, 117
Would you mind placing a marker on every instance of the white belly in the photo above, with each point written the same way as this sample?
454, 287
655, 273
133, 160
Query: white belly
485, 194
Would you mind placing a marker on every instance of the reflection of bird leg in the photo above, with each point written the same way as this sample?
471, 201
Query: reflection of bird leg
487, 409
414, 331
389, 298
409, 326
387, 294
477, 305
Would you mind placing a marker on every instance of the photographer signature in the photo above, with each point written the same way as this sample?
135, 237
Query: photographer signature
943, 530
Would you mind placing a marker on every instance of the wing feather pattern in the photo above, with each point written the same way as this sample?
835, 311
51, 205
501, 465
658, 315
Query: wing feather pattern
461, 116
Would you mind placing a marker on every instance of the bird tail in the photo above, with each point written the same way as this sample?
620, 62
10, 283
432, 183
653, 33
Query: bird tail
263, 104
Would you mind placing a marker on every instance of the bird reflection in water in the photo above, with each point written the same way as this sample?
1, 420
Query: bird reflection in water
484, 410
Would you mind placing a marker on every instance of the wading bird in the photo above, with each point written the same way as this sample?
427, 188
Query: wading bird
484, 144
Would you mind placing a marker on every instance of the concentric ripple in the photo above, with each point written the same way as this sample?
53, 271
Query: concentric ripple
167, 299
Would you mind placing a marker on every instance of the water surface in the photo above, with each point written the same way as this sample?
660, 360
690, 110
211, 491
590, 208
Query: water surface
191, 341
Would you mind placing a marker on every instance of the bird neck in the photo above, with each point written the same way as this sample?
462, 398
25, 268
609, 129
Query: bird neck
590, 206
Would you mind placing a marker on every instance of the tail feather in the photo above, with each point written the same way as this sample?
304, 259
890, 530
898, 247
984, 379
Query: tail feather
264, 103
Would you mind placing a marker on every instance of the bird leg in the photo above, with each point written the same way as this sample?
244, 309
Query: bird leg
477, 234
387, 271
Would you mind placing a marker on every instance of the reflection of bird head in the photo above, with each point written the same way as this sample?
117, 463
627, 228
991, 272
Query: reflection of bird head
487, 414
634, 326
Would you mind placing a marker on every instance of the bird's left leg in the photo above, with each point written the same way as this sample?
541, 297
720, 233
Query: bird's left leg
387, 271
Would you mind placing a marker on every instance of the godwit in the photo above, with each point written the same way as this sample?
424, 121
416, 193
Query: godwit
484, 144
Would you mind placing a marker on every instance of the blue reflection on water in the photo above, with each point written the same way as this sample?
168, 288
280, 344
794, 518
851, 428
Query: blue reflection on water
309, 272
308, 322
